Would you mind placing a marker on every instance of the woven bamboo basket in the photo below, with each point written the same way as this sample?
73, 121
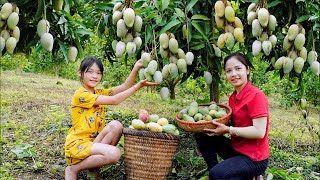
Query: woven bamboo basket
148, 155
198, 127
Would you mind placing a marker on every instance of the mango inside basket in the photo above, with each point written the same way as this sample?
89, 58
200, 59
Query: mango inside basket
198, 127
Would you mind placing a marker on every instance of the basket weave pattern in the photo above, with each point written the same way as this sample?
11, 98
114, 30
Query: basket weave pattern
198, 127
148, 155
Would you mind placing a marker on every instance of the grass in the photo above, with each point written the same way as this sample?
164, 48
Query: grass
35, 116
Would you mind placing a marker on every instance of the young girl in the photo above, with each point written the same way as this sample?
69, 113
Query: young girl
89, 143
246, 153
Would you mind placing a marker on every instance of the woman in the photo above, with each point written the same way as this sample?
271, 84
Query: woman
246, 153
90, 144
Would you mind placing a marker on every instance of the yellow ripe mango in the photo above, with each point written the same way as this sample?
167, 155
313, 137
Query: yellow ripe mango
72, 53
11, 43
129, 17
303, 53
287, 65
263, 17
12, 20
219, 21
293, 31
298, 65
6, 10
229, 14
164, 40
219, 8
279, 63
238, 35
299, 41
238, 23
173, 45
116, 16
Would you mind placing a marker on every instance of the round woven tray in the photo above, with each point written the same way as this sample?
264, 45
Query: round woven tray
198, 127
148, 155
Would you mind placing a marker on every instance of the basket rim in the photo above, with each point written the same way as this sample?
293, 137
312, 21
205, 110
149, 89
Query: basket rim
135, 132
205, 122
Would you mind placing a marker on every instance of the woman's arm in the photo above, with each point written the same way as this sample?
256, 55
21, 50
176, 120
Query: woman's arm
257, 131
118, 98
130, 80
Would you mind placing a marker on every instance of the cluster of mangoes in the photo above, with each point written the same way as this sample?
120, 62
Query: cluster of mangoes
263, 24
46, 38
293, 43
226, 20
153, 123
128, 27
196, 113
9, 31
149, 71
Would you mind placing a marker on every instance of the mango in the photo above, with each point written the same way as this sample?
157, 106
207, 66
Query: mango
16, 33
2, 23
192, 110
213, 106
157, 77
182, 112
121, 28
131, 48
221, 42
203, 110
169, 128
163, 121
138, 42
6, 10
164, 40
273, 39
272, 23
238, 23
116, 16
47, 41
187, 118
152, 67
256, 47
164, 93
194, 103
292, 54
2, 44
229, 28
164, 53
229, 14
315, 67
137, 24
238, 35
267, 47
176, 132
114, 45
212, 112
303, 53
251, 16
154, 118
182, 65
147, 75
229, 39
154, 127
184, 32
143, 115
138, 124
43, 27
117, 7
145, 59
287, 65
219, 21
207, 117
181, 54
298, 65
207, 77
57, 5
72, 53
120, 49
165, 71
189, 58
12, 20
5, 34
11, 43
173, 59
279, 63
173, 45
219, 8
263, 17
173, 70
256, 28
251, 8
220, 114
217, 51
141, 74
263, 36
312, 56
198, 117
129, 17
299, 41
293, 31
286, 43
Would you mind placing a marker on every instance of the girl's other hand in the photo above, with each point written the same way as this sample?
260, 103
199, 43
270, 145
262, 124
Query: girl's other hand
147, 83
138, 64
219, 130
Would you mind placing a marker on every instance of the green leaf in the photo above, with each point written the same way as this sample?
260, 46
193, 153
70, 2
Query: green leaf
104, 6
274, 3
148, 34
83, 32
179, 12
200, 17
64, 49
197, 46
190, 5
80, 49
170, 25
302, 18
299, 1
314, 17
165, 4
200, 30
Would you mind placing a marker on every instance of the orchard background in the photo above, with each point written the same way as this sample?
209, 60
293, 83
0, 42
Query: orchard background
37, 71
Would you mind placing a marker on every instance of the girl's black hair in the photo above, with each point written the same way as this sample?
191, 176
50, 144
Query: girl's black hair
87, 63
239, 56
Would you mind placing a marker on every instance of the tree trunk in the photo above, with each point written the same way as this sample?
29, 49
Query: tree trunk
172, 93
214, 91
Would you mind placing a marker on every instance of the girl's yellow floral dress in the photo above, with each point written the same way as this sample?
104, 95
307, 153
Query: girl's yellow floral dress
87, 121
